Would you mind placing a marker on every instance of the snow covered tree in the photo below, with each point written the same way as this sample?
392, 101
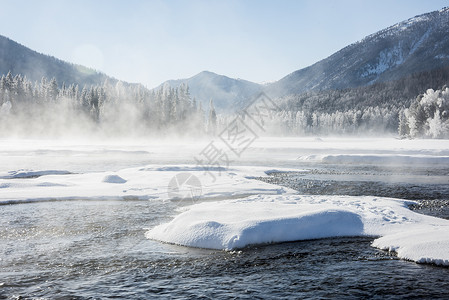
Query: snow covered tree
436, 126
115, 107
212, 120
404, 129
428, 116
52, 89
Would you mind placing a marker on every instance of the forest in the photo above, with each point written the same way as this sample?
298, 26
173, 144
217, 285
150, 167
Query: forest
413, 107
46, 109
381, 108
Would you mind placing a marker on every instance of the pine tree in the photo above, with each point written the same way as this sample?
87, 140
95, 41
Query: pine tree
212, 120
43, 90
53, 90
9, 82
404, 129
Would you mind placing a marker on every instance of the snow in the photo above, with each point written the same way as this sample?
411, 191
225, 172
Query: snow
420, 41
149, 182
31, 173
113, 179
263, 219
442, 56
230, 225
234, 210
428, 244
380, 159
386, 60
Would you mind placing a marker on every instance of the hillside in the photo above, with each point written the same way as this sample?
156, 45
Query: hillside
227, 93
21, 60
394, 94
417, 44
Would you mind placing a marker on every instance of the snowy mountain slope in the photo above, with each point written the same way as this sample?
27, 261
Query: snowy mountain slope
227, 93
417, 44
19, 59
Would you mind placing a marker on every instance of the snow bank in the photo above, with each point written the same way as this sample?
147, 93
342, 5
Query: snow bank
380, 159
425, 245
265, 219
144, 183
31, 173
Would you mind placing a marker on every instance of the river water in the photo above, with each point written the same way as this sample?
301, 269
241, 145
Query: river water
97, 249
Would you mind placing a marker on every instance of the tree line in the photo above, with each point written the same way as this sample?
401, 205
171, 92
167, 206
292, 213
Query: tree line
122, 109
381, 108
47, 108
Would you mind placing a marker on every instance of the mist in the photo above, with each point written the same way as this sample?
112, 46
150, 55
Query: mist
108, 111
52, 110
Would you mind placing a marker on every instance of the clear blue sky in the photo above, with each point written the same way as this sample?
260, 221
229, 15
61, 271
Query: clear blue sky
152, 41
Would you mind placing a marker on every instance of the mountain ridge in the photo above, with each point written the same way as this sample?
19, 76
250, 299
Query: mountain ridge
414, 45
227, 93
385, 55
19, 59
420, 43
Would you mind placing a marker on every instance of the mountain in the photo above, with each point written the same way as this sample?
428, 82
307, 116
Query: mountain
21, 60
227, 93
415, 45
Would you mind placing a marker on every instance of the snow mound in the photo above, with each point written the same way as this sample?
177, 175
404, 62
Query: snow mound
230, 231
113, 179
263, 219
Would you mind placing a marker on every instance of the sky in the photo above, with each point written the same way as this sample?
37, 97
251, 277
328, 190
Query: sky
149, 42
